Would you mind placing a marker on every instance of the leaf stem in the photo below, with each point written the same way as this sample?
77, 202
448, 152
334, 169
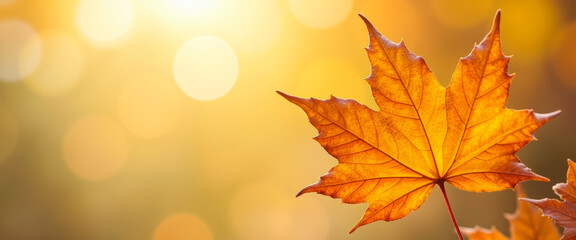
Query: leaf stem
441, 184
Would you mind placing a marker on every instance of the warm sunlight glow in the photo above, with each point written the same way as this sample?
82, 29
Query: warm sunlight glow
322, 77
61, 65
104, 20
20, 50
320, 13
471, 13
8, 132
147, 108
205, 68
186, 15
256, 25
192, 7
95, 148
183, 227
162, 119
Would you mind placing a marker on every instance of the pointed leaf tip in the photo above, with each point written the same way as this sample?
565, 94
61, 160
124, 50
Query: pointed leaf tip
548, 116
496, 25
288, 97
355, 227
302, 191
363, 18
300, 102
555, 113
371, 28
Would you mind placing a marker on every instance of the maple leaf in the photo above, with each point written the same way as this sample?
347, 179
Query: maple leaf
527, 223
423, 134
563, 213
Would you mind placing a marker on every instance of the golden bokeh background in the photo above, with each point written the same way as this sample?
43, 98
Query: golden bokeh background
158, 119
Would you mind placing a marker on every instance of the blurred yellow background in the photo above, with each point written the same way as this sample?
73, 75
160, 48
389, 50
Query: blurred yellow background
158, 119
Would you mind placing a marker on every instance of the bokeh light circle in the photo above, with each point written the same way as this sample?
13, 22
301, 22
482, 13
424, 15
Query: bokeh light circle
8, 133
104, 20
183, 227
61, 65
205, 68
321, 13
148, 109
95, 148
20, 50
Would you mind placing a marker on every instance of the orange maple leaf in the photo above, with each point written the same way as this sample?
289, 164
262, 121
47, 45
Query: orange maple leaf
563, 213
527, 223
423, 134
